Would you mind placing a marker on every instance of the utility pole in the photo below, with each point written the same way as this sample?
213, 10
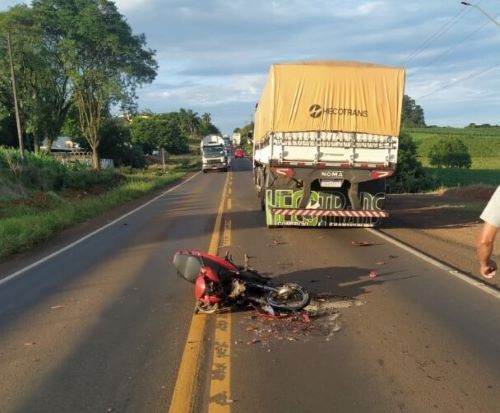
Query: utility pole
14, 92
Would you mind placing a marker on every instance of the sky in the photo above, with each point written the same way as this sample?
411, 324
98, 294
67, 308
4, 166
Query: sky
214, 55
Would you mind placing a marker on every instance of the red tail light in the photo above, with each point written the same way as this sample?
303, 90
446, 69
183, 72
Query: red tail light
284, 171
380, 174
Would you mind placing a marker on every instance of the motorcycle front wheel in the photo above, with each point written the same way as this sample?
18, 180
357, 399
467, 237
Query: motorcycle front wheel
203, 308
290, 297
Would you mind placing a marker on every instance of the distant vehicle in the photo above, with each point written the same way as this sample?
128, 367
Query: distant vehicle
237, 138
213, 154
239, 153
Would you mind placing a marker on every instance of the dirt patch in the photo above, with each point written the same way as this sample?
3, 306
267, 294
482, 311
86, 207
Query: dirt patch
442, 224
470, 193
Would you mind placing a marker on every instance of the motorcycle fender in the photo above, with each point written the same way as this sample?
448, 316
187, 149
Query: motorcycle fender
199, 287
210, 274
200, 292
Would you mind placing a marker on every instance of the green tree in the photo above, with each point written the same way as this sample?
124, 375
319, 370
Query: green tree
409, 175
207, 127
116, 143
412, 114
159, 131
170, 136
450, 152
190, 123
143, 132
43, 86
105, 62
246, 132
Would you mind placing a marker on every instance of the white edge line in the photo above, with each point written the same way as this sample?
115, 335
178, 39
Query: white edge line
464, 277
69, 246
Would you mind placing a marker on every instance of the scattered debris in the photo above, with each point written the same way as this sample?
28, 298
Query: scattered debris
321, 317
361, 243
372, 274
268, 309
380, 262
276, 242
56, 307
30, 343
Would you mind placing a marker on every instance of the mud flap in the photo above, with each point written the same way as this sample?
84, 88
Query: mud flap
306, 194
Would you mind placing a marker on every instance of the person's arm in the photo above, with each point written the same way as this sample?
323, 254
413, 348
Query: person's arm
484, 247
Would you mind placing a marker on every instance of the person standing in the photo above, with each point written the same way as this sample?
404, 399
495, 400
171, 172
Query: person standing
486, 238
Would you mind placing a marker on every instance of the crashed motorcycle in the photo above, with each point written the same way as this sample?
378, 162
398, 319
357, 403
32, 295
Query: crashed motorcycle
220, 283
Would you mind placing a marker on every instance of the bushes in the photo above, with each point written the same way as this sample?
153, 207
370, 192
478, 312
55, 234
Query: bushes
450, 152
409, 175
44, 173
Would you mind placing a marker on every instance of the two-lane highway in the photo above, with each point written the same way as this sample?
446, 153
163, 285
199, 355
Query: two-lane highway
103, 326
413, 338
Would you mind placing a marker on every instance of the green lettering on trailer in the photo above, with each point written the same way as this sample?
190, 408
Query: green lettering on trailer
289, 198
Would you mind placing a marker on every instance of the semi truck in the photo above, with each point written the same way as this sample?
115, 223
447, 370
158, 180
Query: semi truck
325, 140
213, 153
237, 138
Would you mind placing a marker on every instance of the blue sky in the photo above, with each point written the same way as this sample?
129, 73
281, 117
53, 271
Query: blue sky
214, 55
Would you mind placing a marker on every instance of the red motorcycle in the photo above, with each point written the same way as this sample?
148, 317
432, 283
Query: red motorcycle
220, 283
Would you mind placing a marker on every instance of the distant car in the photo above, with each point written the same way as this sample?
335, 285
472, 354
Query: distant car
239, 153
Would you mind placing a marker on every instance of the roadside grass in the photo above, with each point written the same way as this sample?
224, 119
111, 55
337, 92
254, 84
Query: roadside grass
31, 220
454, 177
483, 145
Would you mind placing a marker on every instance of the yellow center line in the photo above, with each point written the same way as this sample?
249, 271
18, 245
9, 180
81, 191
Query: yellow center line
184, 395
226, 235
220, 378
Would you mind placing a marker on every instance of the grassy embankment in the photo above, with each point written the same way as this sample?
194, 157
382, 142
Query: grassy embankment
483, 145
40, 197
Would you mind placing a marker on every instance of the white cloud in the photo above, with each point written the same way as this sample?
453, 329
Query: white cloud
127, 6
214, 54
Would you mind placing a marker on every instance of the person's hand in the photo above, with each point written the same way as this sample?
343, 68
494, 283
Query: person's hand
489, 269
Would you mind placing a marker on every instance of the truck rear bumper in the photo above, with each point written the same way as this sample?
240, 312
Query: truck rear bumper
330, 213
214, 166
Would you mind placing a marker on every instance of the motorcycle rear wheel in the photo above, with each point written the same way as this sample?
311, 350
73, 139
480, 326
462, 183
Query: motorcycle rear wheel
289, 297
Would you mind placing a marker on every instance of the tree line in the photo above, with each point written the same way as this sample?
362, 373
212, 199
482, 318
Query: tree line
65, 65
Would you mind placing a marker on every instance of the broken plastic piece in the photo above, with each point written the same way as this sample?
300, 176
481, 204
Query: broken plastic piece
268, 309
361, 243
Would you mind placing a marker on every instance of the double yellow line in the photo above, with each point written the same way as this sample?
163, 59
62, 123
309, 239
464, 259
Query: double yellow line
185, 390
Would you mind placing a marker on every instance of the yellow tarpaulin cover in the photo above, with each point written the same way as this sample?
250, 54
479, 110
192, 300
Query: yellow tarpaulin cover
331, 96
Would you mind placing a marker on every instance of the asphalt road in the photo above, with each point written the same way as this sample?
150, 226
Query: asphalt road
102, 326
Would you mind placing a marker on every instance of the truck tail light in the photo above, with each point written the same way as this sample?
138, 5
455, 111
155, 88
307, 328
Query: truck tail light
380, 174
289, 172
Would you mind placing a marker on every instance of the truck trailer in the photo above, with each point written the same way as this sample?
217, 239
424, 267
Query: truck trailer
325, 140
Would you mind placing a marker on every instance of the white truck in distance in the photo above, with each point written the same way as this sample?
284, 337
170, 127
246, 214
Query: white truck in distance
325, 139
236, 138
213, 153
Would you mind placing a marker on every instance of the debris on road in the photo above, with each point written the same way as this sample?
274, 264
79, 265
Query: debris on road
372, 274
361, 243
321, 317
